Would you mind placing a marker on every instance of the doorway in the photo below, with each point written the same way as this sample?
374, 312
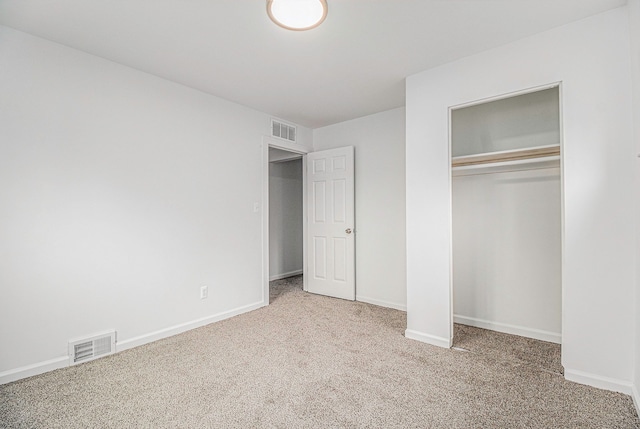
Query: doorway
507, 221
287, 162
328, 231
286, 196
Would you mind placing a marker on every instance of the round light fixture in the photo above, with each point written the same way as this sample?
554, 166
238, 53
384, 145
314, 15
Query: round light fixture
297, 15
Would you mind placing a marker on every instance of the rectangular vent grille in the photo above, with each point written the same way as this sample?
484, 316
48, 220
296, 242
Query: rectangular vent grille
86, 349
283, 131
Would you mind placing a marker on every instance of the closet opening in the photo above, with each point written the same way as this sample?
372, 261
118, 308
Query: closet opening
506, 210
286, 230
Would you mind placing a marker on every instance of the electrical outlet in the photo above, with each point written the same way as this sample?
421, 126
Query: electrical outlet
204, 292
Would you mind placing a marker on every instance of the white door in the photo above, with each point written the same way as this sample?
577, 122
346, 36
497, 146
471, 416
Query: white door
330, 223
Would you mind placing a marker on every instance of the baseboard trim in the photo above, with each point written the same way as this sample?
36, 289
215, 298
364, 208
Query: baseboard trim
537, 334
381, 303
34, 369
636, 397
427, 338
63, 361
285, 275
606, 383
183, 327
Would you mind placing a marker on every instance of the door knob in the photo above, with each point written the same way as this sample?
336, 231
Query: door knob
348, 230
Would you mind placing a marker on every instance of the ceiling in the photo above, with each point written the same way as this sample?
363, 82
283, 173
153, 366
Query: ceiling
353, 65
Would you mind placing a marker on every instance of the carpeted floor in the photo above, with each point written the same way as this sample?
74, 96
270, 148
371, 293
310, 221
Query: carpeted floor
504, 347
308, 361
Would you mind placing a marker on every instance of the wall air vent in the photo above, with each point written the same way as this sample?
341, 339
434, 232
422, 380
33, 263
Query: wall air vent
86, 349
283, 131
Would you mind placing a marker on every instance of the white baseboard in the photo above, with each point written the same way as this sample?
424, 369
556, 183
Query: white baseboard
537, 334
636, 397
285, 275
34, 369
381, 303
600, 382
427, 338
63, 361
183, 327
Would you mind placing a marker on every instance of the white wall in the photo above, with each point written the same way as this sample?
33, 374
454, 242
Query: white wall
507, 252
379, 142
121, 194
520, 122
591, 59
285, 218
634, 20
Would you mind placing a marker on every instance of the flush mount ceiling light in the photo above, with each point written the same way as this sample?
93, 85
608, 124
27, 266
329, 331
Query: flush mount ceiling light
297, 15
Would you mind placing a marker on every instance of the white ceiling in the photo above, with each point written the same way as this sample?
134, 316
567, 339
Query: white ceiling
353, 65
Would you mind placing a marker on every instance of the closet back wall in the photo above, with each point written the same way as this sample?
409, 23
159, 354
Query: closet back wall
507, 252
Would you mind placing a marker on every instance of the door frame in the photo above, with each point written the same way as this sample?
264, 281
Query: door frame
288, 146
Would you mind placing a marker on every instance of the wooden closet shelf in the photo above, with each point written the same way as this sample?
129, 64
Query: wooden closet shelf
505, 156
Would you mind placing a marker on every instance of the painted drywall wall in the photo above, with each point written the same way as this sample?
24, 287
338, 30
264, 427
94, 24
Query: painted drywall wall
591, 59
507, 252
379, 142
121, 194
634, 21
285, 219
521, 122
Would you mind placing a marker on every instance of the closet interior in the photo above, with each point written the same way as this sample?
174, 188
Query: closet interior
506, 214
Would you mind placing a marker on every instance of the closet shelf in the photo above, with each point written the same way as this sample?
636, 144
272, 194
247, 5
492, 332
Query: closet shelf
512, 160
507, 155
507, 166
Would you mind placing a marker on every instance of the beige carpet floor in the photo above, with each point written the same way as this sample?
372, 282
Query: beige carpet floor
503, 347
308, 361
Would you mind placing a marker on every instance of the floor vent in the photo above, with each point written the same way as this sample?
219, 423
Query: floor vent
86, 349
283, 131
